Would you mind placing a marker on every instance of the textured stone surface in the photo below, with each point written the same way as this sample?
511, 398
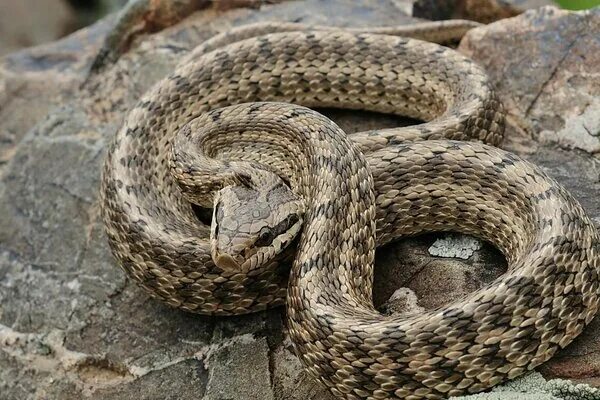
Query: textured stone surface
71, 323
484, 11
533, 386
545, 65
434, 280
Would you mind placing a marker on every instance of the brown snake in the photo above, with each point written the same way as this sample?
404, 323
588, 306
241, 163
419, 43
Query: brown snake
403, 185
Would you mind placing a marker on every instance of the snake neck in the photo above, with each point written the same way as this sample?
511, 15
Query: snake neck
214, 161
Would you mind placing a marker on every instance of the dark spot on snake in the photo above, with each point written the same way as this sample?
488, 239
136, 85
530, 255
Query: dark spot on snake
254, 108
325, 209
146, 104
397, 141
510, 159
267, 235
215, 115
292, 114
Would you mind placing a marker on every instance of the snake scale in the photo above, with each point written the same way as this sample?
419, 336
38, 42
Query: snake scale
211, 134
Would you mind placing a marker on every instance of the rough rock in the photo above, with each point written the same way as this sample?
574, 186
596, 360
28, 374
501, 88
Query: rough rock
545, 66
402, 302
245, 357
434, 280
72, 325
30, 22
533, 386
484, 11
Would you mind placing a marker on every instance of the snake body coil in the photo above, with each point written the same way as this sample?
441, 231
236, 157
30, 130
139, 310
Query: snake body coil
549, 293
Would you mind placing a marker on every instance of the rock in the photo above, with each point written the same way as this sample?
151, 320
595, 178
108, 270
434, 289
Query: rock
545, 66
290, 380
533, 386
56, 70
239, 369
484, 11
57, 276
402, 302
72, 325
434, 280
31, 22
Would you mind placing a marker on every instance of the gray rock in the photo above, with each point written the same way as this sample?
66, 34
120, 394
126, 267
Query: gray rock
533, 386
31, 22
239, 369
402, 302
484, 11
434, 280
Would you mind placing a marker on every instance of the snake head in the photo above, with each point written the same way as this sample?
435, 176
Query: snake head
254, 222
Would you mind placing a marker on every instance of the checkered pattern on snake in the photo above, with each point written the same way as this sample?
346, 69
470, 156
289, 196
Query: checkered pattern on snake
408, 181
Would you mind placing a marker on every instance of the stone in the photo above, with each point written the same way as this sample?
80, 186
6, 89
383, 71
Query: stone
557, 103
239, 369
484, 11
435, 280
290, 380
402, 302
31, 22
72, 325
533, 386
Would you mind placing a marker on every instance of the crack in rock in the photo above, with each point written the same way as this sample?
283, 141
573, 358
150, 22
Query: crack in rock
46, 352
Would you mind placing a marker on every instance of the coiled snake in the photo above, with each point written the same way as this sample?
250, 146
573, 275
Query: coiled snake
314, 176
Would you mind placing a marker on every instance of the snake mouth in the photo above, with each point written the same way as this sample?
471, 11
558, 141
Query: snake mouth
253, 257
226, 262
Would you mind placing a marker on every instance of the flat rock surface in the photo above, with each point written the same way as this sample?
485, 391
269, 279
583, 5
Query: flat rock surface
72, 325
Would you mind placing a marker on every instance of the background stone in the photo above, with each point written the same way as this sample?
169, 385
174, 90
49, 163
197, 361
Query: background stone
484, 11
545, 66
30, 22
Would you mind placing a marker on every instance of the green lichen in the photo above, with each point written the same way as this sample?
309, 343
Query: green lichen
533, 386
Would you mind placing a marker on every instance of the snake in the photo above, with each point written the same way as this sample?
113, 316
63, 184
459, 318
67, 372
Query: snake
222, 174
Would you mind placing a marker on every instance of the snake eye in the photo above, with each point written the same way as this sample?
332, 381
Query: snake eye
244, 179
267, 235
265, 238
291, 220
